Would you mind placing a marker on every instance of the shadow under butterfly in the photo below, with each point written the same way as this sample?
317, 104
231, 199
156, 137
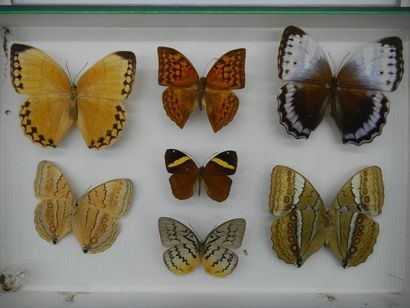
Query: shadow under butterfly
355, 96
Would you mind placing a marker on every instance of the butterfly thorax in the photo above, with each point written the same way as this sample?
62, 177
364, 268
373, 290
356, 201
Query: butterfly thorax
200, 93
73, 105
201, 173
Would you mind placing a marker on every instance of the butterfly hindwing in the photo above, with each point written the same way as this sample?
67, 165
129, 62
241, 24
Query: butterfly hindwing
301, 107
216, 175
221, 107
179, 103
351, 236
184, 172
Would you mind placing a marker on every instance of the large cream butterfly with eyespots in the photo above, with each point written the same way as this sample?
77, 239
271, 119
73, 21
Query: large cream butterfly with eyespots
93, 219
185, 251
54, 102
305, 225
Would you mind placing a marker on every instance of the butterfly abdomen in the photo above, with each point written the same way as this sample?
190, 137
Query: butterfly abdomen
200, 93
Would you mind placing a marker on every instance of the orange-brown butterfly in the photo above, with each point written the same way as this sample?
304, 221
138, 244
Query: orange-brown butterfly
186, 90
215, 175
54, 103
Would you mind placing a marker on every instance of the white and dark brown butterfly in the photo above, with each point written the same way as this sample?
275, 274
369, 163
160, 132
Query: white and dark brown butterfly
305, 225
186, 175
54, 103
355, 96
93, 219
185, 89
185, 251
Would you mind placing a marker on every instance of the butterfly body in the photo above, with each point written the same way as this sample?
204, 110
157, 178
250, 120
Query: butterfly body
185, 251
54, 103
354, 94
185, 89
305, 224
187, 176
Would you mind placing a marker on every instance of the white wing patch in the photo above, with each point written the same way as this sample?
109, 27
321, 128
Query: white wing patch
356, 188
299, 186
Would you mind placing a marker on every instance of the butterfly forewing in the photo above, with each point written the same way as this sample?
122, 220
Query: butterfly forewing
363, 192
184, 173
228, 72
174, 69
34, 73
300, 58
173, 232
377, 66
229, 234
113, 197
216, 175
290, 190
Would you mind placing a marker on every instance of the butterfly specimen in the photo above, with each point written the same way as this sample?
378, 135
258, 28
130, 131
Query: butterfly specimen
186, 175
305, 225
185, 250
356, 102
54, 102
93, 219
213, 92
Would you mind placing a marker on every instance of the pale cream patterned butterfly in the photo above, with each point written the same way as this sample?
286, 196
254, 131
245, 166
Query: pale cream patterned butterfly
93, 219
54, 103
185, 251
305, 225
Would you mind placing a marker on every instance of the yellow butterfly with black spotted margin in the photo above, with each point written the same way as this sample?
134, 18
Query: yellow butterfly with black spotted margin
54, 103
185, 251
305, 225
93, 219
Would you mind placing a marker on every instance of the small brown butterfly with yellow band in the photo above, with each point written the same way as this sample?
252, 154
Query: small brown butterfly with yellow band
305, 225
185, 251
93, 219
213, 92
186, 176
54, 102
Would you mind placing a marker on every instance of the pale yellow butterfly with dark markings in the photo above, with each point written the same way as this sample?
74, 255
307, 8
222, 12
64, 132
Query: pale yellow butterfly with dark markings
54, 103
185, 251
305, 225
93, 219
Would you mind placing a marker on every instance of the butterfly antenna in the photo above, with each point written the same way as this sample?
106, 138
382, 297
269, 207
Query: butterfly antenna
196, 233
333, 62
206, 67
68, 71
343, 60
80, 72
